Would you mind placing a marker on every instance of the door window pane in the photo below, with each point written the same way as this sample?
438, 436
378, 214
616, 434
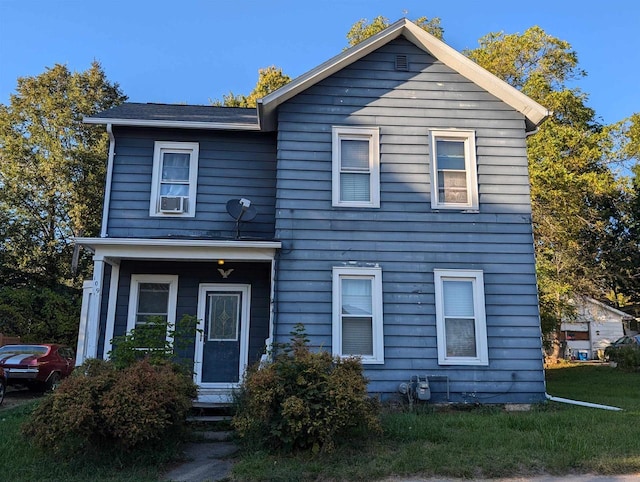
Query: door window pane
223, 316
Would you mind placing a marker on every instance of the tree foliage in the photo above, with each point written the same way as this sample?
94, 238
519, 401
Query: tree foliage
52, 167
269, 79
580, 208
363, 29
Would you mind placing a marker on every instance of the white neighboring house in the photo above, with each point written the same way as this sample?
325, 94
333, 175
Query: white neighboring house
595, 327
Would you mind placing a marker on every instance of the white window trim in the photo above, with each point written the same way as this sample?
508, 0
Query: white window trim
159, 148
372, 134
469, 139
482, 351
377, 329
136, 279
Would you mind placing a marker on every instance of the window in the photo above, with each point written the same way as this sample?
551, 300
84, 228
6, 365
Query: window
460, 317
223, 316
356, 169
357, 313
454, 183
175, 174
152, 301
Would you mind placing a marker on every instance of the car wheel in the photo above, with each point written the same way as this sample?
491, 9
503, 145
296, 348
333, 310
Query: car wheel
3, 388
53, 382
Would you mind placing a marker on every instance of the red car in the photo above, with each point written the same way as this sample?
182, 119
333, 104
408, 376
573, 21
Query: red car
36, 366
3, 384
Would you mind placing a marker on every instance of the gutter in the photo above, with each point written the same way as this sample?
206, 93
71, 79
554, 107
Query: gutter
582, 404
107, 188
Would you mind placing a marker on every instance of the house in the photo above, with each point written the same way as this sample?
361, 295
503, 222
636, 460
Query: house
593, 329
381, 199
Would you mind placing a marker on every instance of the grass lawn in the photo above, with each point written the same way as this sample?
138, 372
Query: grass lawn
487, 442
21, 462
481, 442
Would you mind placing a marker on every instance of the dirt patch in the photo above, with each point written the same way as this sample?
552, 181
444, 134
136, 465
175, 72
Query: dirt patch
15, 397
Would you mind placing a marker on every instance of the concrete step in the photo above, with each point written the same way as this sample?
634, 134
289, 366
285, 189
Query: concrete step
209, 418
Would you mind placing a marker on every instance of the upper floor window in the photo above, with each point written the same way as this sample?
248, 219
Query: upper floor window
356, 167
461, 326
454, 182
175, 175
357, 313
152, 307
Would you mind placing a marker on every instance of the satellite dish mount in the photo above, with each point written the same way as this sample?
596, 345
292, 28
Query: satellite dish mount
241, 210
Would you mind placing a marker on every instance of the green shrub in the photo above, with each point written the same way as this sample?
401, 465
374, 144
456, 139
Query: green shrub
303, 400
100, 407
627, 357
155, 343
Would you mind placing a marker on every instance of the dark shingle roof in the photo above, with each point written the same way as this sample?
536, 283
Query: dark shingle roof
201, 116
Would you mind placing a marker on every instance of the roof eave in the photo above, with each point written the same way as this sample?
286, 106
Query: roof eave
534, 113
268, 104
172, 124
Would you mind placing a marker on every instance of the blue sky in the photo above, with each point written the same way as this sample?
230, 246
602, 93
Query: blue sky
195, 50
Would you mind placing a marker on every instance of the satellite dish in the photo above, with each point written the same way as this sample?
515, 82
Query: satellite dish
241, 210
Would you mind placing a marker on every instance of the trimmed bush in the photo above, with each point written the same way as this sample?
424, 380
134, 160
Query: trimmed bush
304, 400
100, 407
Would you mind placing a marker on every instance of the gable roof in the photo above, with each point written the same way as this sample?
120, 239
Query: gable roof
534, 113
178, 115
611, 309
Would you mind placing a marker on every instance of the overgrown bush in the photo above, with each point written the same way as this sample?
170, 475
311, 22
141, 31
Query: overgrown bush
101, 407
627, 357
304, 400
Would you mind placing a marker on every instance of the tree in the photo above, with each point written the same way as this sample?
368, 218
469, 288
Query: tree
578, 204
269, 79
363, 29
52, 168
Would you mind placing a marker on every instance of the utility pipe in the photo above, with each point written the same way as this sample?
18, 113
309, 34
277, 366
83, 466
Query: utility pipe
583, 404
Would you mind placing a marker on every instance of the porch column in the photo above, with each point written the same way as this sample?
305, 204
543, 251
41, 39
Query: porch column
93, 322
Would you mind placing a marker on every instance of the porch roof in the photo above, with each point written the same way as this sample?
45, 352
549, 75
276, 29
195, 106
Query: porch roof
114, 249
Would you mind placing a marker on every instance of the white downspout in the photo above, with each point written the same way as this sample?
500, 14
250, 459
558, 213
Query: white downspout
107, 188
582, 404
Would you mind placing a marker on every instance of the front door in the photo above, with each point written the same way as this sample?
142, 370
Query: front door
222, 344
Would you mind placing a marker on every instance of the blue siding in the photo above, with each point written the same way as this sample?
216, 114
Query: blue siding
190, 275
405, 236
231, 165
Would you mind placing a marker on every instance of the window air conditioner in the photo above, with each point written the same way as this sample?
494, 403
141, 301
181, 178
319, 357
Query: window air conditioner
172, 204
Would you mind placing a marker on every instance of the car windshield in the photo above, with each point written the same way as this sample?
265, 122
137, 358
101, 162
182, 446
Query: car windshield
23, 349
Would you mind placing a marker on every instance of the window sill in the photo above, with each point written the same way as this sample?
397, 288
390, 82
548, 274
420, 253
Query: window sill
463, 362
